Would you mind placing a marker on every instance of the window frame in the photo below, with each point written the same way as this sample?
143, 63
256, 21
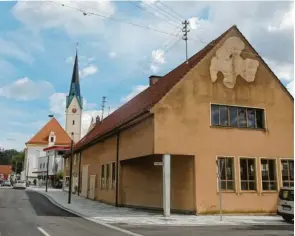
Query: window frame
281, 169
277, 169
234, 174
256, 175
228, 115
108, 174
113, 174
102, 176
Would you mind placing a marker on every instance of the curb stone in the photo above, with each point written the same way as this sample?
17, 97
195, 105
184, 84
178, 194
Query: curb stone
85, 217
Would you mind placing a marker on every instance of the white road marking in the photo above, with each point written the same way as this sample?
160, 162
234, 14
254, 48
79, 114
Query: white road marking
43, 231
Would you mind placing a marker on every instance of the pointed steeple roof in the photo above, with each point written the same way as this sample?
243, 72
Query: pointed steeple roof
62, 138
75, 85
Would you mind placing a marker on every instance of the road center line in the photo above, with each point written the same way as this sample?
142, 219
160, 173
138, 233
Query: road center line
43, 231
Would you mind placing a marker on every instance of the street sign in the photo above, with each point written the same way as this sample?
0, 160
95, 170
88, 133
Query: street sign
158, 163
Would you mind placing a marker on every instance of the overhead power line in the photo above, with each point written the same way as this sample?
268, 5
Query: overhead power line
85, 13
151, 13
169, 46
162, 12
175, 13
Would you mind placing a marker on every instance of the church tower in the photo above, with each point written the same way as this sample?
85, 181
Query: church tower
74, 105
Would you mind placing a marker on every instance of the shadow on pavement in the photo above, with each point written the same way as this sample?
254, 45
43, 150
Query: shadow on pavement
289, 227
43, 207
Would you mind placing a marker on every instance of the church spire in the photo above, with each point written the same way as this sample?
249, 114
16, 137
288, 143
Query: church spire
75, 84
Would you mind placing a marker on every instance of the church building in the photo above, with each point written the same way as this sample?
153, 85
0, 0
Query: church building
53, 139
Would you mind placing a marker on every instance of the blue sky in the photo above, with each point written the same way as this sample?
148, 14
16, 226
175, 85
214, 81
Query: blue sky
38, 43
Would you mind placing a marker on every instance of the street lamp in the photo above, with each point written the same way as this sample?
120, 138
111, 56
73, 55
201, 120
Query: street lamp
71, 169
47, 171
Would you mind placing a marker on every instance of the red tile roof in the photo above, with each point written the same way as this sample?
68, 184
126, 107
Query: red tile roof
146, 99
62, 138
5, 169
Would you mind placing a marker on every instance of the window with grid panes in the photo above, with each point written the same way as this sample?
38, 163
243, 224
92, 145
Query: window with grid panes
226, 165
287, 173
233, 116
248, 174
268, 174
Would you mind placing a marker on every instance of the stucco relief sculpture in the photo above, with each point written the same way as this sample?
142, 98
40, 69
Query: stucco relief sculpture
229, 62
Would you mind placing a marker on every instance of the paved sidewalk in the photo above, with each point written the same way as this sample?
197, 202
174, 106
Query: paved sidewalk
106, 214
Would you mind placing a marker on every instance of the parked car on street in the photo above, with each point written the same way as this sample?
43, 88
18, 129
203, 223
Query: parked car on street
20, 185
6, 183
286, 203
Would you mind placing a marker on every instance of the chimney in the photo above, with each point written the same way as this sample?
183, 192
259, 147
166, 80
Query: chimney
97, 120
154, 79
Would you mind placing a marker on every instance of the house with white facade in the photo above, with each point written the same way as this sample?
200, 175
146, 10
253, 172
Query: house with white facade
52, 134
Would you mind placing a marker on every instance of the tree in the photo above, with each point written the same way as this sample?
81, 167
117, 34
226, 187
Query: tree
17, 162
59, 175
6, 156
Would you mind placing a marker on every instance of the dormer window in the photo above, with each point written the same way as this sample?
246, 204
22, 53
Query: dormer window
51, 139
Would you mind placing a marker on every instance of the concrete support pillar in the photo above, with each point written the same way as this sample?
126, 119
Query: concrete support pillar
166, 184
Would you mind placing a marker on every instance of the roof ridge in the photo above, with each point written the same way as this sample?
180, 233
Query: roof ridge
41, 129
148, 97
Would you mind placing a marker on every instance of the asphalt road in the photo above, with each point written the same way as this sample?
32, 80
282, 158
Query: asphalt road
28, 213
258, 230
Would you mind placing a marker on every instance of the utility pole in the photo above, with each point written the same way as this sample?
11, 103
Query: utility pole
47, 167
102, 107
185, 30
71, 169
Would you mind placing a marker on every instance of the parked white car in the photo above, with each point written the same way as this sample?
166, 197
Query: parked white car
286, 204
20, 185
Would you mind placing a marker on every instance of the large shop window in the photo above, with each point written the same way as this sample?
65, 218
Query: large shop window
288, 173
248, 174
226, 165
268, 174
241, 117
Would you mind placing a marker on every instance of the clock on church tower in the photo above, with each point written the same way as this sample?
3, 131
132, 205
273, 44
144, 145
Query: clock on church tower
74, 106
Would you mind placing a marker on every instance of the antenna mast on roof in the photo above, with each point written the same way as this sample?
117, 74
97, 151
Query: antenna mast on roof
102, 107
185, 30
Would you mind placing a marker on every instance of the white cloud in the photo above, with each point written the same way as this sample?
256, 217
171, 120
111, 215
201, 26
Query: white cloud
86, 119
53, 15
157, 59
136, 90
11, 49
194, 23
112, 54
57, 103
284, 22
290, 87
25, 89
88, 70
283, 70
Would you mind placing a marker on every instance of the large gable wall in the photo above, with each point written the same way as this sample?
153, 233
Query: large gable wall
182, 125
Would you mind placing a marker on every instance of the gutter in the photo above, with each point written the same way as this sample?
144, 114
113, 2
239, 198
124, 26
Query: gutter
117, 170
109, 133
